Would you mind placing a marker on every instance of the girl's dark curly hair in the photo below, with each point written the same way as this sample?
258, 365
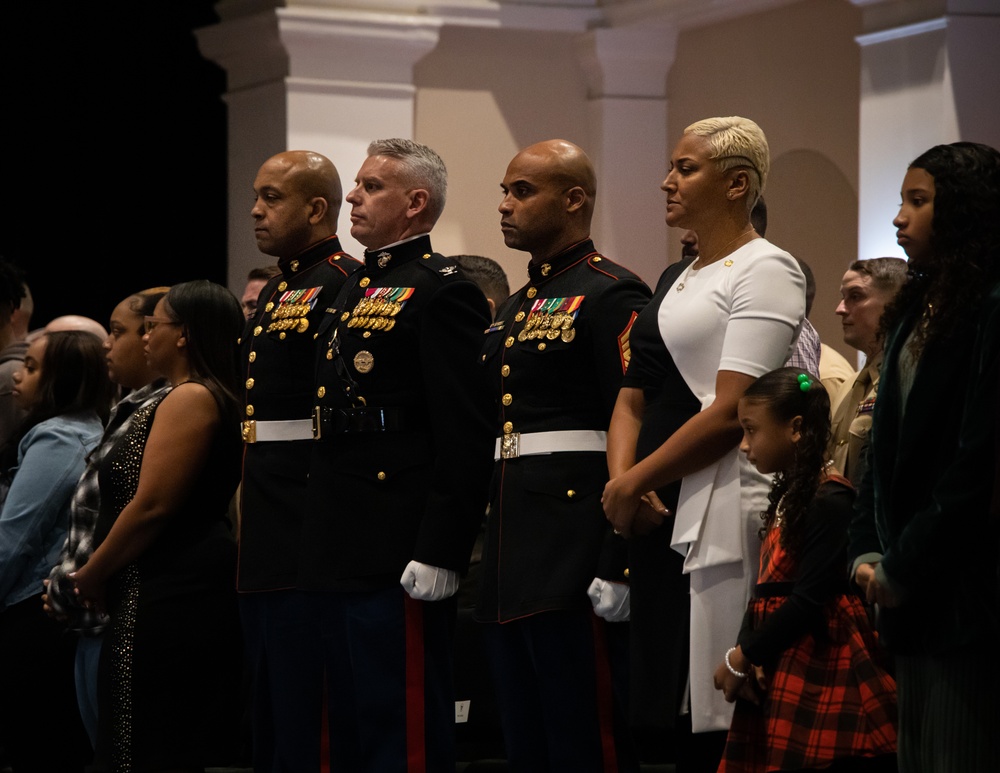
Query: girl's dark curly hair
782, 392
965, 242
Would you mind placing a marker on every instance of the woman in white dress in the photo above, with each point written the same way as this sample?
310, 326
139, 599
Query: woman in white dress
680, 490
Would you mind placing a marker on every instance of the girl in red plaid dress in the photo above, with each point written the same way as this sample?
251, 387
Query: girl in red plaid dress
806, 674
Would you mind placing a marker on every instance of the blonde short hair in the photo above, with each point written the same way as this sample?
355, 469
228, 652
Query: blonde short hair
737, 142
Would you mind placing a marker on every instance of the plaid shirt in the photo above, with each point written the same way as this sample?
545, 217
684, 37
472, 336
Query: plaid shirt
84, 509
805, 355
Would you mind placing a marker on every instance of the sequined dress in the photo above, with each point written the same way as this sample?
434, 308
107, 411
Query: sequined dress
171, 664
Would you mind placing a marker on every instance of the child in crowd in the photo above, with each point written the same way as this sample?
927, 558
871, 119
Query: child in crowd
811, 691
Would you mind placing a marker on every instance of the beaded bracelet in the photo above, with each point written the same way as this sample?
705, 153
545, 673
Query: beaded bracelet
733, 671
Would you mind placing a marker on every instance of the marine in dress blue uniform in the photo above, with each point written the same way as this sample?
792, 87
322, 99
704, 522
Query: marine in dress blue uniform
298, 202
399, 474
556, 354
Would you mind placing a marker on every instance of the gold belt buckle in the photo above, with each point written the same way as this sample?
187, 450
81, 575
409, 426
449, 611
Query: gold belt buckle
249, 431
510, 445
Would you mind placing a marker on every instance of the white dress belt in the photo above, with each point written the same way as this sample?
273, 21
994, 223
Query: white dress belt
515, 444
265, 431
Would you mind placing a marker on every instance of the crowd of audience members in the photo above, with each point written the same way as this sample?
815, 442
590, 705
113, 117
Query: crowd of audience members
812, 555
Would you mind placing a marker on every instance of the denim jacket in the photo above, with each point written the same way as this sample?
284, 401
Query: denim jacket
35, 515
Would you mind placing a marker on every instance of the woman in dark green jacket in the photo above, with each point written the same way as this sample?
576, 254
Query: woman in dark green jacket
924, 543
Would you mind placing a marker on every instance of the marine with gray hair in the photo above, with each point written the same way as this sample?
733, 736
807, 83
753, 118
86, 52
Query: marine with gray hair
399, 471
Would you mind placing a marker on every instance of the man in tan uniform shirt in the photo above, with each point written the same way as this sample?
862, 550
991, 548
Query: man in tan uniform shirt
866, 289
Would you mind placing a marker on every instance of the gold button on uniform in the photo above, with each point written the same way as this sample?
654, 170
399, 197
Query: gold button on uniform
249, 383
249, 410
507, 399
626, 574
269, 306
509, 342
532, 292
294, 265
321, 392
329, 354
508, 427
541, 346
571, 493
381, 476
282, 285
519, 316
365, 281
253, 356
258, 330
505, 370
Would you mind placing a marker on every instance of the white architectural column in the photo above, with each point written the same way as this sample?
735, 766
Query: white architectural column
626, 76
626, 72
310, 79
924, 83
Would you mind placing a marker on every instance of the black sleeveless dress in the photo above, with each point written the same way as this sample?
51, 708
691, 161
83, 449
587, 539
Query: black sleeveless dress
170, 672
660, 618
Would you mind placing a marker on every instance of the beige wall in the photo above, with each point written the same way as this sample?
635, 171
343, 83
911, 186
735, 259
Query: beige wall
474, 109
847, 92
794, 70
484, 93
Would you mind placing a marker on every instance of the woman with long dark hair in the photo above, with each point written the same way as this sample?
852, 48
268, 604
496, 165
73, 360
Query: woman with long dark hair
925, 542
63, 387
164, 558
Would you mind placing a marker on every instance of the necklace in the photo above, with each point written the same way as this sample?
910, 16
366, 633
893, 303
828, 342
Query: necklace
719, 254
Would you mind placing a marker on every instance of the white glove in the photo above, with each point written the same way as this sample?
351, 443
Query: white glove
610, 600
428, 583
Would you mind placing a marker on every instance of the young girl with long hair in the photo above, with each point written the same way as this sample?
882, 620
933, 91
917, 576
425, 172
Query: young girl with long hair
805, 672
63, 387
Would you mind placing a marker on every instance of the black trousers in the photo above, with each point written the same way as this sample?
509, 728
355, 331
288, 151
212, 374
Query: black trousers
40, 726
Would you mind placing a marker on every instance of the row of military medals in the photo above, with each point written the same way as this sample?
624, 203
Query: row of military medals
376, 311
551, 318
291, 311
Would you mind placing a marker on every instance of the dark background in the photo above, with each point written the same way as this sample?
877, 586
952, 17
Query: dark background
114, 169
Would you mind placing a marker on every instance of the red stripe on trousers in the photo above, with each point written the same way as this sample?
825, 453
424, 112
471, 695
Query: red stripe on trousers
416, 753
605, 696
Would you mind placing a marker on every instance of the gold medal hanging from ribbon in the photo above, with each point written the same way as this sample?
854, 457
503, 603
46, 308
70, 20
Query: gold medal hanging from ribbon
292, 310
551, 319
376, 310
